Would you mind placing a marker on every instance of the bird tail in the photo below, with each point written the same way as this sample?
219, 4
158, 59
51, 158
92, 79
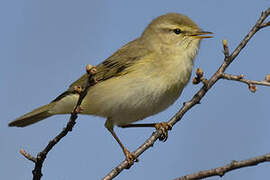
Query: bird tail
34, 116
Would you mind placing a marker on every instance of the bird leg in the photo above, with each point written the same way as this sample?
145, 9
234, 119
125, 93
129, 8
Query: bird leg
163, 126
130, 157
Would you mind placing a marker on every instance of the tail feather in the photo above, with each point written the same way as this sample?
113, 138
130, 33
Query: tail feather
33, 116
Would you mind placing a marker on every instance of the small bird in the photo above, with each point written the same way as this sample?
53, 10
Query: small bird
142, 78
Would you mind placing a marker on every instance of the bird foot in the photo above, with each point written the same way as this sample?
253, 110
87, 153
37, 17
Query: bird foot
130, 157
164, 127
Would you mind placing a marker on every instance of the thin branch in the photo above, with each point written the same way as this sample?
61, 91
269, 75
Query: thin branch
196, 98
265, 24
226, 48
250, 83
28, 156
37, 174
220, 171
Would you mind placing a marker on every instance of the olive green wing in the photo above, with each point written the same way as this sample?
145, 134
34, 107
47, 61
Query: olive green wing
114, 66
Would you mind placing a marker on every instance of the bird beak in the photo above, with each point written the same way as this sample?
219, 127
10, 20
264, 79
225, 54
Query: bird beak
197, 35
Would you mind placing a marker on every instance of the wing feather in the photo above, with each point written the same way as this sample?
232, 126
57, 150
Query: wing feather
116, 65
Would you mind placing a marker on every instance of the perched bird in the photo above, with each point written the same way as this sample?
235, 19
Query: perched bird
140, 79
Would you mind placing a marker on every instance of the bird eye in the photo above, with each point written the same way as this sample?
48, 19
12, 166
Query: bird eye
177, 31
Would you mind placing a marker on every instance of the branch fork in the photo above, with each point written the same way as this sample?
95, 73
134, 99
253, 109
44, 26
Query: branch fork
37, 174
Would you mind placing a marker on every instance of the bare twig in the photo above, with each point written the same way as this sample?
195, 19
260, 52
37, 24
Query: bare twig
220, 171
28, 156
265, 24
196, 98
250, 83
226, 48
199, 77
37, 174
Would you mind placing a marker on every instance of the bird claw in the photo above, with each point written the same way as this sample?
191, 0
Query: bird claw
130, 157
164, 127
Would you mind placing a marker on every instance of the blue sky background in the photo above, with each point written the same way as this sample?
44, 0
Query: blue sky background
45, 46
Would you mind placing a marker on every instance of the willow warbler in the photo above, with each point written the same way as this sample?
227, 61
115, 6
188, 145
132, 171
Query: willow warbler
140, 79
